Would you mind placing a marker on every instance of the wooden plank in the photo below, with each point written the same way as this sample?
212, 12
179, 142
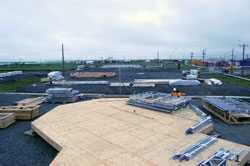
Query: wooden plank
22, 113
30, 101
6, 119
113, 133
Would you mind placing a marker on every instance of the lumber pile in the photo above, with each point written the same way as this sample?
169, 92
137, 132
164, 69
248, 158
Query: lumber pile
62, 95
6, 119
92, 74
22, 112
231, 111
30, 101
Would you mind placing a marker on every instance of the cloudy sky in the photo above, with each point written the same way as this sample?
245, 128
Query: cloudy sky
33, 30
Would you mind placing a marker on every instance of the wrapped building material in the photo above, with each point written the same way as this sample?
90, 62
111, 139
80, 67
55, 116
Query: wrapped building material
55, 75
184, 83
64, 95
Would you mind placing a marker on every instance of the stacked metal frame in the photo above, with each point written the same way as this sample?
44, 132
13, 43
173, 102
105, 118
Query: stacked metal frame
229, 105
158, 101
193, 150
218, 158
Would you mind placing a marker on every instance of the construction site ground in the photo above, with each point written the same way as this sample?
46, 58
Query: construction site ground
128, 75
18, 149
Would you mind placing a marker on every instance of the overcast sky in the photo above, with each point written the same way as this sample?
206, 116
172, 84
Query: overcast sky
31, 30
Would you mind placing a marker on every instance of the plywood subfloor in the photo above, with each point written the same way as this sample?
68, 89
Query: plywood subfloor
109, 132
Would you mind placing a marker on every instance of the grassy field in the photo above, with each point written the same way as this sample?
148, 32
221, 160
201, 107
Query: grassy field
8, 86
231, 80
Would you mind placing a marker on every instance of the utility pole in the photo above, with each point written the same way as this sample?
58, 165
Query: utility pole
192, 56
120, 89
157, 58
62, 60
242, 71
203, 54
232, 60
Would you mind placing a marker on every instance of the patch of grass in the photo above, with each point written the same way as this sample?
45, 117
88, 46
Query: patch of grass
8, 86
231, 80
247, 100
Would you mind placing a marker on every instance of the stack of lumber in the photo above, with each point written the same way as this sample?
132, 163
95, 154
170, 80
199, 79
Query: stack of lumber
6, 119
92, 74
22, 112
62, 95
30, 101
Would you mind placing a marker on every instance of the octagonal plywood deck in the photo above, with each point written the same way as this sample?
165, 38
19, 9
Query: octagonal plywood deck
109, 132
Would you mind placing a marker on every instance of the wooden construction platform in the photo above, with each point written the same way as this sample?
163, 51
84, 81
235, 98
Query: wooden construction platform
30, 102
226, 117
6, 119
22, 112
92, 74
109, 132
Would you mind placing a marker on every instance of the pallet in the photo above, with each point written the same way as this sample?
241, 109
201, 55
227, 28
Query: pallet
226, 117
6, 119
21, 112
30, 101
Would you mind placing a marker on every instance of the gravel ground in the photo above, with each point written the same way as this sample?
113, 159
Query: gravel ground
235, 133
19, 150
129, 75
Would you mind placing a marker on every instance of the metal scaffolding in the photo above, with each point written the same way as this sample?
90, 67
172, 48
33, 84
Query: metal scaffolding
158, 101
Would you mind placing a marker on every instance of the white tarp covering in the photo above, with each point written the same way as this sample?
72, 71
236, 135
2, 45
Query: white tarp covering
215, 81
184, 83
56, 75
154, 81
12, 73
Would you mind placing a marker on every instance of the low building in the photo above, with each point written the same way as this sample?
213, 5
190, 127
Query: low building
246, 62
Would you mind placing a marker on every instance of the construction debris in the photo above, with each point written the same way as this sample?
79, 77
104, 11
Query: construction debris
6, 119
218, 158
62, 95
232, 111
80, 82
184, 83
22, 112
30, 133
158, 101
193, 150
30, 101
92, 74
